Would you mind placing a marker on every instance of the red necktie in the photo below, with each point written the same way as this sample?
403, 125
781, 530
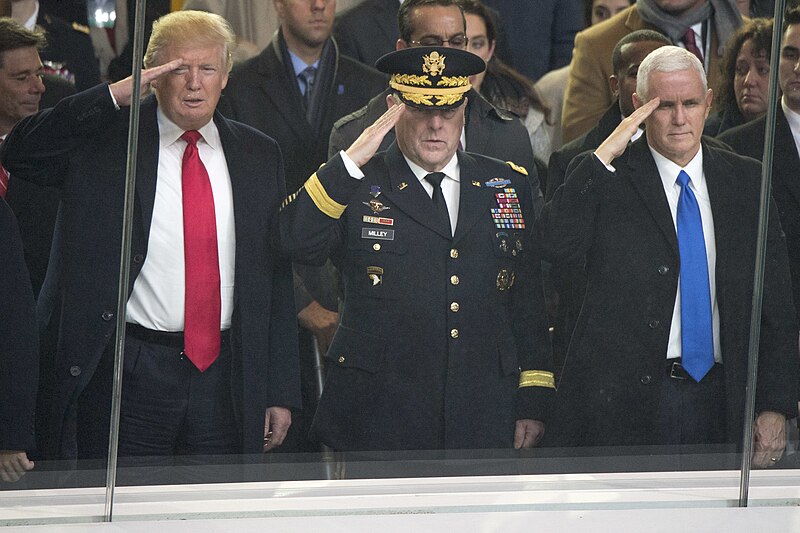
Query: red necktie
202, 312
3, 179
691, 45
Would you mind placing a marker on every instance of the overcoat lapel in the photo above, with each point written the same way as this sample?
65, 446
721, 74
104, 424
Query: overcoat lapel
407, 193
644, 177
283, 91
786, 161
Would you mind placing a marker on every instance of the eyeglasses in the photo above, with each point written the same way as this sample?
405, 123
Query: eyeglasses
456, 41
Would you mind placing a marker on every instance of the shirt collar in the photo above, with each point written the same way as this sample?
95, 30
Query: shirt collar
669, 170
298, 64
169, 132
450, 169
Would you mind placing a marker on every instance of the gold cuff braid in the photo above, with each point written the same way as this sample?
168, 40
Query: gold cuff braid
537, 378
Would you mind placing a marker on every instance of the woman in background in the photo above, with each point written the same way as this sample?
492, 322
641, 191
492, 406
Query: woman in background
745, 77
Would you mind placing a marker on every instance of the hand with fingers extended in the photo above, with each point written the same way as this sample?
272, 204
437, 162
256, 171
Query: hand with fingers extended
123, 89
617, 142
13, 465
370, 139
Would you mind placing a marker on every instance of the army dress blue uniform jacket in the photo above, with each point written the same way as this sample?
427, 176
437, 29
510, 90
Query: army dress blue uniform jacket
443, 340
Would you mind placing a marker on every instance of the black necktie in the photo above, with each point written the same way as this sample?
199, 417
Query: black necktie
308, 76
435, 179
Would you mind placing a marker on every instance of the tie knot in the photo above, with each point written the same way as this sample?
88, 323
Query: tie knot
307, 75
683, 179
435, 178
689, 38
191, 136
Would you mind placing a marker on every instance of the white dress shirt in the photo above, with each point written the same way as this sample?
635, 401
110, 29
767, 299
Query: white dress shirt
158, 298
669, 174
793, 119
451, 185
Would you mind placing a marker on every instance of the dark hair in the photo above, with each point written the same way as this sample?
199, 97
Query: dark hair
638, 36
404, 23
503, 86
759, 31
792, 16
587, 11
14, 35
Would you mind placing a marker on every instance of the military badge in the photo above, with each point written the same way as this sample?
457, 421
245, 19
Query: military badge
502, 236
505, 280
433, 63
375, 191
498, 182
375, 274
476, 183
377, 233
522, 170
384, 221
376, 206
402, 186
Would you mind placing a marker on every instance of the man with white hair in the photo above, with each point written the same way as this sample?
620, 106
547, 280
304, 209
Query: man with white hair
667, 226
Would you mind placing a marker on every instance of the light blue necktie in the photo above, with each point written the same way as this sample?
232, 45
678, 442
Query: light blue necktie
697, 344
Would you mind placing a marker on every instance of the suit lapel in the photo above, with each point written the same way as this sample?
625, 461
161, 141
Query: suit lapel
474, 201
645, 180
407, 193
147, 161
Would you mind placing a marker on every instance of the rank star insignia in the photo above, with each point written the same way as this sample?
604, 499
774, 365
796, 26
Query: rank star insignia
433, 64
376, 206
375, 274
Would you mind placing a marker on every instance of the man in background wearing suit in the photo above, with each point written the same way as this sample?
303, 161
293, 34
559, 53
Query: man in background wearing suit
486, 131
211, 355
703, 26
293, 91
748, 139
668, 233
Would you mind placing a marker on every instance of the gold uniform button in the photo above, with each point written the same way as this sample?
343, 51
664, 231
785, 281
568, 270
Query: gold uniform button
454, 253
341, 359
454, 333
454, 280
454, 307
376, 246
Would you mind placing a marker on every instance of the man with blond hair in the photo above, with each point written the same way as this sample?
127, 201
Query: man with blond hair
210, 356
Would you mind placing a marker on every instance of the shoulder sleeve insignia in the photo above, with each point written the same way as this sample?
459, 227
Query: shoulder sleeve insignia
518, 168
80, 28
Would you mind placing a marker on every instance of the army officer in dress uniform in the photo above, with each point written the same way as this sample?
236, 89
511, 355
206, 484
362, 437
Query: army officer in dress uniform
443, 340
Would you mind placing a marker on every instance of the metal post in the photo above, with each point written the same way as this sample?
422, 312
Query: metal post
125, 255
761, 244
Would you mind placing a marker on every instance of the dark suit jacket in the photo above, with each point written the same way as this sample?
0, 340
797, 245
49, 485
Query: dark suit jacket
488, 133
80, 146
559, 160
261, 93
368, 30
535, 53
617, 358
748, 139
408, 369
19, 344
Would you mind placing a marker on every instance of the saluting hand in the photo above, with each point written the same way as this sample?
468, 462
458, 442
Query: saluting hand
123, 89
616, 143
370, 139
